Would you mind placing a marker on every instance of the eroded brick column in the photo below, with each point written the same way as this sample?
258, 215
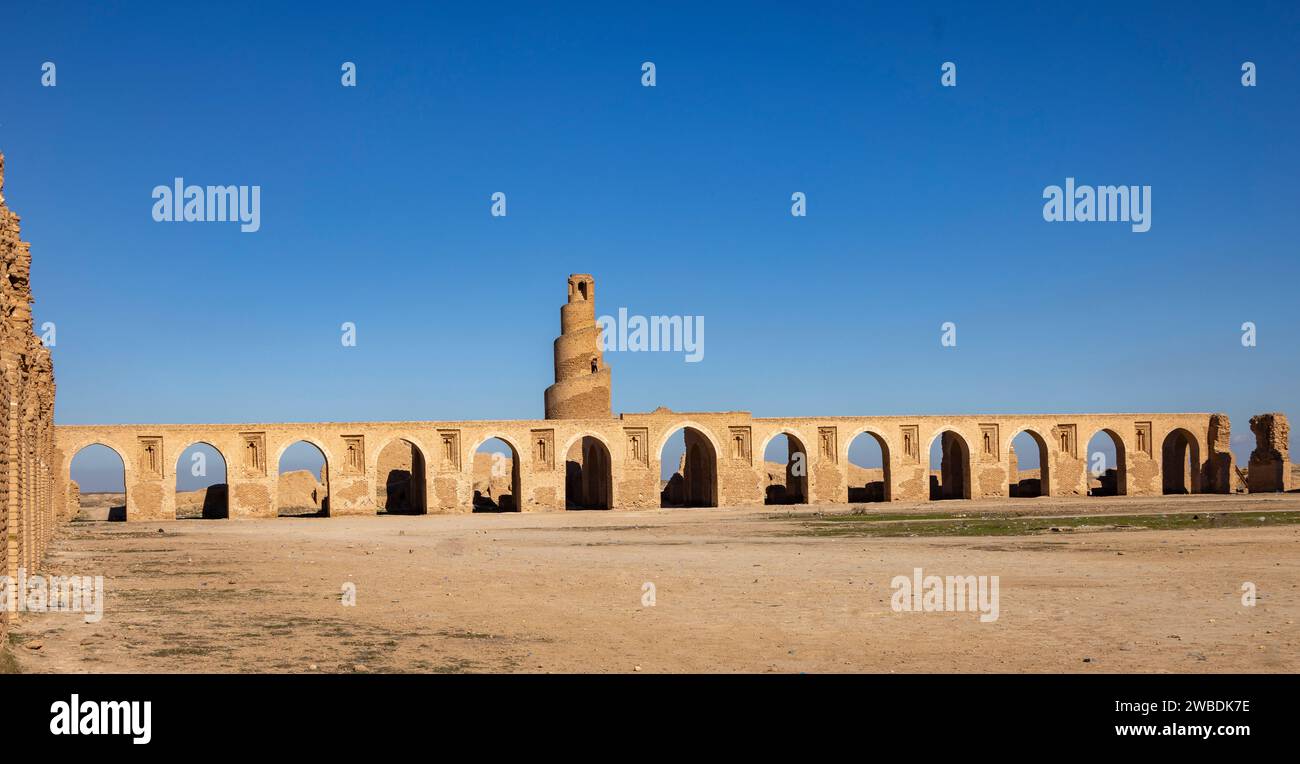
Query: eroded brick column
1270, 462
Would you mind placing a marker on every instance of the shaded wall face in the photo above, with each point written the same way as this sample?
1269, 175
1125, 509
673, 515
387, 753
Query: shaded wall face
954, 468
1178, 455
597, 480
401, 479
701, 471
588, 476
796, 470
697, 488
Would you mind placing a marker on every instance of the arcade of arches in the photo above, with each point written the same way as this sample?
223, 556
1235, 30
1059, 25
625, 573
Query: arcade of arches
619, 463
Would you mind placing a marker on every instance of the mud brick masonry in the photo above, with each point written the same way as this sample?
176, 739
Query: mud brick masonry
32, 497
617, 456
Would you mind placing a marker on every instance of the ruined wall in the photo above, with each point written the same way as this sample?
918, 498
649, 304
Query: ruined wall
1218, 467
725, 465
621, 457
31, 504
1270, 462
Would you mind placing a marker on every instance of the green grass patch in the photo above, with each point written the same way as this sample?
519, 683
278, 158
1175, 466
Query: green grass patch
174, 652
887, 526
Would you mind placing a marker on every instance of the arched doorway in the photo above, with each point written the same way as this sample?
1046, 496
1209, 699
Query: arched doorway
588, 475
688, 465
201, 489
1180, 463
785, 463
1107, 465
868, 469
949, 467
100, 478
399, 479
1029, 467
496, 477
302, 489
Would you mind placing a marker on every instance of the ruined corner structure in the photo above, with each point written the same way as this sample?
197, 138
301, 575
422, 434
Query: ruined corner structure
30, 503
1270, 462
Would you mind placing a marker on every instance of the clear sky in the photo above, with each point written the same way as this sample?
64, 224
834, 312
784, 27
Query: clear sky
924, 205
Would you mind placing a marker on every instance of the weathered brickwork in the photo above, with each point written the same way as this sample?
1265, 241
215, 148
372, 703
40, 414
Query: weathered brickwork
31, 501
582, 386
720, 468
1270, 462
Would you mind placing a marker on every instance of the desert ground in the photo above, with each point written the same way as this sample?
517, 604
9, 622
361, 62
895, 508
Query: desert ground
757, 589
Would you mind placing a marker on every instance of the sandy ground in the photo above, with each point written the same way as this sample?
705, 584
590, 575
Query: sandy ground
735, 591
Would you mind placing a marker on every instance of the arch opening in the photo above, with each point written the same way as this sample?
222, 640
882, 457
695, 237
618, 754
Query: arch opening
496, 477
201, 489
868, 469
400, 479
588, 475
100, 477
949, 467
785, 462
1107, 470
1180, 463
302, 488
688, 470
1029, 466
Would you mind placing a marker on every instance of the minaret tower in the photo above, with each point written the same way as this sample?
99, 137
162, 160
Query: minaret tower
582, 382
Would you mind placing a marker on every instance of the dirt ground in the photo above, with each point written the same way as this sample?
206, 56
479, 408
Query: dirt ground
736, 590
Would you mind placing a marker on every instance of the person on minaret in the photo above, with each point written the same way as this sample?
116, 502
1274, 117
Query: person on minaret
582, 380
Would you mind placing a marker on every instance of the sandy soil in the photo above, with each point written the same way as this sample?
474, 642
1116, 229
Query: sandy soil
736, 591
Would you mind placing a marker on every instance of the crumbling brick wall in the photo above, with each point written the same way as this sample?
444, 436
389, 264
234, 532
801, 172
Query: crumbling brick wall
1218, 463
28, 513
1270, 462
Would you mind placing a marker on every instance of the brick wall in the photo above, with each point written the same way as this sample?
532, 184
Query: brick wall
27, 459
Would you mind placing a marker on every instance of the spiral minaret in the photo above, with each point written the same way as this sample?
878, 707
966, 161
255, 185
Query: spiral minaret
582, 381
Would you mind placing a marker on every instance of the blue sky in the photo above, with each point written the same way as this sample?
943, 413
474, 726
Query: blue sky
924, 205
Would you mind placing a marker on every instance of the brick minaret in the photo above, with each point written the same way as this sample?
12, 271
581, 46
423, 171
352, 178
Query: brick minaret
582, 381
